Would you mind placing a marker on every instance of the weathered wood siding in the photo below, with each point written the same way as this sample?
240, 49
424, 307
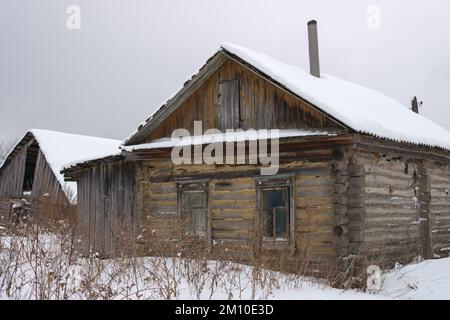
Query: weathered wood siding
349, 209
105, 204
233, 205
262, 105
46, 187
11, 176
46, 184
391, 210
440, 208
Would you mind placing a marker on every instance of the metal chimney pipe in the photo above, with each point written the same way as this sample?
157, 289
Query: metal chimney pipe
314, 66
415, 105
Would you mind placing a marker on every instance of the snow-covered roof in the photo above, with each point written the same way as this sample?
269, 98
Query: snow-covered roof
228, 137
60, 148
364, 110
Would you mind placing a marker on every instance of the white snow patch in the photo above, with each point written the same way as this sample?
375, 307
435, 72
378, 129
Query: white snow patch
227, 137
419, 221
429, 279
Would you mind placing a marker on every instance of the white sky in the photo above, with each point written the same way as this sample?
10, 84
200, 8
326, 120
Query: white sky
130, 56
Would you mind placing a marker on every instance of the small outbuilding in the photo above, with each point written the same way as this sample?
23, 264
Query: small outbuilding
31, 171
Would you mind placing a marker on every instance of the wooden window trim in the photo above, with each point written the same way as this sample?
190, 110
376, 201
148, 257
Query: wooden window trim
274, 182
196, 185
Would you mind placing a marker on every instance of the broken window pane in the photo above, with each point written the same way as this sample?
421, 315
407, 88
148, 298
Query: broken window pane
281, 223
268, 223
194, 199
274, 198
275, 213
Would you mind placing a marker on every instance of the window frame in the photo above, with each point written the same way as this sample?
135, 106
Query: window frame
195, 186
282, 181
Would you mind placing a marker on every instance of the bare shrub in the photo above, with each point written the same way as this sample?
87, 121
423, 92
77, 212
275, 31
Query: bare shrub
44, 260
5, 148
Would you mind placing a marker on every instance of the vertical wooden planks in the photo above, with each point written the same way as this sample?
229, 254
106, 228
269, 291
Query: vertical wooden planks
46, 184
229, 105
262, 105
12, 175
107, 204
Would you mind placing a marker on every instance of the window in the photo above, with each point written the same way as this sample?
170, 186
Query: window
193, 207
275, 213
276, 208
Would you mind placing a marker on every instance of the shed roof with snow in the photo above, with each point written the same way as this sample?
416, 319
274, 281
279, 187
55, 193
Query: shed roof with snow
35, 162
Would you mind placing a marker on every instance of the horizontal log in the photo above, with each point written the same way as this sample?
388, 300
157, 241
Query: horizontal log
233, 204
304, 203
310, 181
238, 225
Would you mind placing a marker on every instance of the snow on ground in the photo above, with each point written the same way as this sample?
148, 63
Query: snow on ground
429, 279
51, 274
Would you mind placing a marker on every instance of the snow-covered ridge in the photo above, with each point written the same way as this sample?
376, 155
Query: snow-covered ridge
362, 109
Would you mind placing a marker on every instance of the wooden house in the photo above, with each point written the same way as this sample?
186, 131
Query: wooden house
31, 171
360, 176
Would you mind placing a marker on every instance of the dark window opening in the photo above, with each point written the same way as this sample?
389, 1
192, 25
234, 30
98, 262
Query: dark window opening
193, 204
30, 167
275, 213
276, 210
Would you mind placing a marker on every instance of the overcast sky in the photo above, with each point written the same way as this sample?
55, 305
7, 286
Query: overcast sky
130, 56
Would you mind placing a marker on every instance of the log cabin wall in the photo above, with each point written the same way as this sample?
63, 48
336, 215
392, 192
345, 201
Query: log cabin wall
105, 205
391, 211
439, 179
349, 209
262, 105
317, 226
405, 207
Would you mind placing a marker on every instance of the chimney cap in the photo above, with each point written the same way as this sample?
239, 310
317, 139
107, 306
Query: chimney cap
312, 22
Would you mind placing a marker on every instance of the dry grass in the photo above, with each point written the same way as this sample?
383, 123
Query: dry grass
43, 259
